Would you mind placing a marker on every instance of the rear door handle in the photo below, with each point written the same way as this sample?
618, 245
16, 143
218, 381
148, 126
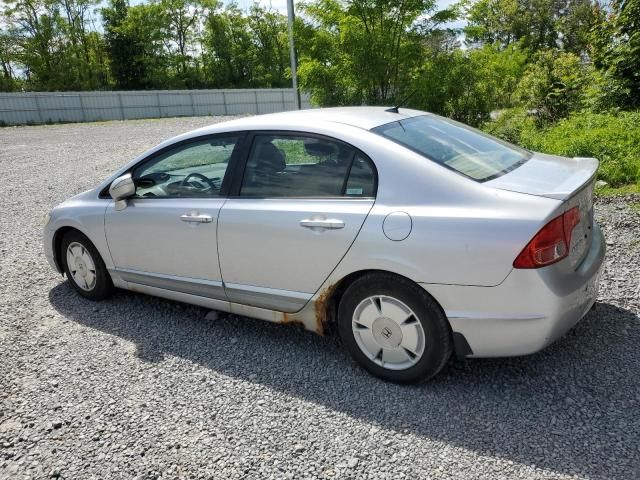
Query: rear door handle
196, 218
329, 223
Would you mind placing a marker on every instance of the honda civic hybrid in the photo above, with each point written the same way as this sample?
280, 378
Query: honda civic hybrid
409, 235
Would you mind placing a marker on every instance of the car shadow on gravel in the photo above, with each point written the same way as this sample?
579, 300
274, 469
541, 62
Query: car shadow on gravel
571, 408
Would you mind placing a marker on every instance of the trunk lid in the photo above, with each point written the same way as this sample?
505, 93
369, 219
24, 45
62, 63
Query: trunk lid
570, 180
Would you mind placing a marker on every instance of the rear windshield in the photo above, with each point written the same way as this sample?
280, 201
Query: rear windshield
456, 146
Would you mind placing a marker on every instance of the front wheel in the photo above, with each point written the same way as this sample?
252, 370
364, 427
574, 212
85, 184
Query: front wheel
394, 329
84, 267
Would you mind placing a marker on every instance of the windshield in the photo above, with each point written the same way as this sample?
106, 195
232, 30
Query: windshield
456, 146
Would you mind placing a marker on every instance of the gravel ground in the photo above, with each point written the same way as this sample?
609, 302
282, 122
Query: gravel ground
138, 387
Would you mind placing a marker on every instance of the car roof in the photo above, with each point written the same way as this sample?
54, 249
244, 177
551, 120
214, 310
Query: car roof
360, 117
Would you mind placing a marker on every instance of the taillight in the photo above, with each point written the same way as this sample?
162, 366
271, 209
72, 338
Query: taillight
571, 219
551, 244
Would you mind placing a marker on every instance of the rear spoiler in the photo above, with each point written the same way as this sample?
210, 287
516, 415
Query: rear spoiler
549, 176
584, 176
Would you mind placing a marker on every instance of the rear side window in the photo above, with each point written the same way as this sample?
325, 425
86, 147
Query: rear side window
456, 146
300, 166
361, 180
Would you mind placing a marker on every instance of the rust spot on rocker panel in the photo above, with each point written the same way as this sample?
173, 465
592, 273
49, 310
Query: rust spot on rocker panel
286, 318
322, 312
321, 307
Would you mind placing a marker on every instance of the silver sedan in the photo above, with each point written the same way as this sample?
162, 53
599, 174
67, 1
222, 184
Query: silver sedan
413, 237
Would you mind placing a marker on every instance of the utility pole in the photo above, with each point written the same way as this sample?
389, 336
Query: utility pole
292, 53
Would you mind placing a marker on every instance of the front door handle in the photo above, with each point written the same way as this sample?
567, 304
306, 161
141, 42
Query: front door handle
328, 223
196, 218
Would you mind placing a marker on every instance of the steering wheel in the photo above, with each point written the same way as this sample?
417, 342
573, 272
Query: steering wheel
199, 176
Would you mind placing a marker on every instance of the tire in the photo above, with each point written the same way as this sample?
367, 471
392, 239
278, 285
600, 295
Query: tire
370, 320
88, 275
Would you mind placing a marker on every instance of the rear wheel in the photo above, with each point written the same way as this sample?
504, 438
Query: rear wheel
394, 329
84, 267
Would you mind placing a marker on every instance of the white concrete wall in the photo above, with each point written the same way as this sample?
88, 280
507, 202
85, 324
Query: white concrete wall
43, 107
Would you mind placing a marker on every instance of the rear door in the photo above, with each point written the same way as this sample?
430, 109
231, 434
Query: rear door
298, 206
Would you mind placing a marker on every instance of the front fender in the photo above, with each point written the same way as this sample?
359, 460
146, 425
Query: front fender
83, 213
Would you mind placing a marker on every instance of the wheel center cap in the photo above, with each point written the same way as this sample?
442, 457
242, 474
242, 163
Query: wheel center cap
386, 332
82, 268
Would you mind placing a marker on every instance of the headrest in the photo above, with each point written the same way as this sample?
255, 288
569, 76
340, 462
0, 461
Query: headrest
269, 158
318, 149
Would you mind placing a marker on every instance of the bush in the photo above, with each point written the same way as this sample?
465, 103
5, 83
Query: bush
614, 139
466, 86
554, 85
511, 125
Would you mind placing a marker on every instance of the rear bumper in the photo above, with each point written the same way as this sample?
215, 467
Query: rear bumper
529, 310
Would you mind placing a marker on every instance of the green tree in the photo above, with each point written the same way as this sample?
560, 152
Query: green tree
180, 22
82, 59
616, 50
8, 62
269, 29
54, 45
534, 24
229, 50
36, 30
554, 85
362, 50
323, 64
120, 47
494, 21
574, 24
467, 86
134, 42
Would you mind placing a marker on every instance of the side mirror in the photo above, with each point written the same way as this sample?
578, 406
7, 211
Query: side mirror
122, 188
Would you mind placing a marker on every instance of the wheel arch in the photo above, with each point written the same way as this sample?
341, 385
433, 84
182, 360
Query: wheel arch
57, 245
327, 302
327, 307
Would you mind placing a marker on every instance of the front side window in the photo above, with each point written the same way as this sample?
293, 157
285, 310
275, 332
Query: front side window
299, 166
456, 146
195, 169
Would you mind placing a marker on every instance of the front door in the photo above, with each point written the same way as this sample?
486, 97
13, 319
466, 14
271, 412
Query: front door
300, 205
166, 236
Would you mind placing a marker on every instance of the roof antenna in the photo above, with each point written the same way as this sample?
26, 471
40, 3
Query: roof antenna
401, 102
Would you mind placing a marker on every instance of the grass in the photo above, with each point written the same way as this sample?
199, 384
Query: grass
623, 190
294, 151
